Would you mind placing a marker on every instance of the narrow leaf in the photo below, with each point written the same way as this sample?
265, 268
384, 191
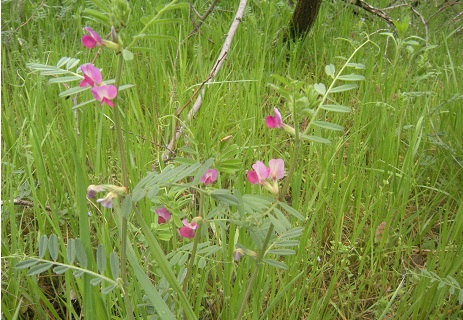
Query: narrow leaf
292, 211
171, 20
43, 245
281, 217
60, 269
54, 72
176, 6
96, 281
71, 91
25, 264
352, 77
125, 86
78, 273
225, 196
276, 264
316, 139
154, 36
53, 247
64, 79
282, 252
71, 250
108, 289
276, 223
126, 206
114, 264
138, 194
344, 87
336, 108
101, 258
62, 61
42, 267
360, 66
328, 125
80, 253
72, 63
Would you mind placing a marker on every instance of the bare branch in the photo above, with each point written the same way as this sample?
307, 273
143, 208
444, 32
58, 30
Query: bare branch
214, 71
375, 11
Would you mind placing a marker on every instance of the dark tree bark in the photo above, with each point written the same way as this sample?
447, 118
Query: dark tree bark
304, 17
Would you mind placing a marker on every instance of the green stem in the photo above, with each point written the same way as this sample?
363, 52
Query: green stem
294, 158
259, 259
193, 252
125, 182
328, 91
163, 264
156, 17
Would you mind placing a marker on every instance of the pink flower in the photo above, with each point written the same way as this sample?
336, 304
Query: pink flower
259, 174
107, 201
188, 229
275, 121
91, 40
105, 94
92, 75
209, 177
92, 190
276, 169
163, 215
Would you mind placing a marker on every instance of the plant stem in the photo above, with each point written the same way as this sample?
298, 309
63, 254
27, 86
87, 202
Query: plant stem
281, 196
163, 264
193, 251
125, 182
259, 258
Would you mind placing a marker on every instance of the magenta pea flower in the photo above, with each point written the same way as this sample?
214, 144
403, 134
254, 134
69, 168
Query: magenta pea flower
259, 174
92, 39
92, 75
209, 177
277, 122
105, 94
163, 215
274, 121
276, 169
188, 229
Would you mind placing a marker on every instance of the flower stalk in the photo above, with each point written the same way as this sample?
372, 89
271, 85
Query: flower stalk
125, 182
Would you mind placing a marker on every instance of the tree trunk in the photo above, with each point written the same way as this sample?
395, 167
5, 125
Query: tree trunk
304, 17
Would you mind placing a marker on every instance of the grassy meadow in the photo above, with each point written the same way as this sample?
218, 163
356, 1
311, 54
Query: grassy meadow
381, 205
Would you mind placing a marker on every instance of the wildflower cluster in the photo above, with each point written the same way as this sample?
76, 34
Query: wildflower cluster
92, 76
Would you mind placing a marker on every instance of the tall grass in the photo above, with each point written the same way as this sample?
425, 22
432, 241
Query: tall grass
399, 161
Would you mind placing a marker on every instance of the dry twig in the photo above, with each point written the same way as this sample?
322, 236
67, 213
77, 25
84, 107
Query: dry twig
214, 71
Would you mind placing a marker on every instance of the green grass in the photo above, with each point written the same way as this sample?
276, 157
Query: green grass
399, 160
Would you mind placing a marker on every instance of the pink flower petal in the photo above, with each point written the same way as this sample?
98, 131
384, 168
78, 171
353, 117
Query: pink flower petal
276, 169
186, 232
261, 171
91, 40
163, 215
274, 121
209, 177
105, 94
188, 229
92, 75
253, 177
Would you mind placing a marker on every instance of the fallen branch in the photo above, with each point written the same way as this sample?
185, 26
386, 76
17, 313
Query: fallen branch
20, 202
375, 11
215, 70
